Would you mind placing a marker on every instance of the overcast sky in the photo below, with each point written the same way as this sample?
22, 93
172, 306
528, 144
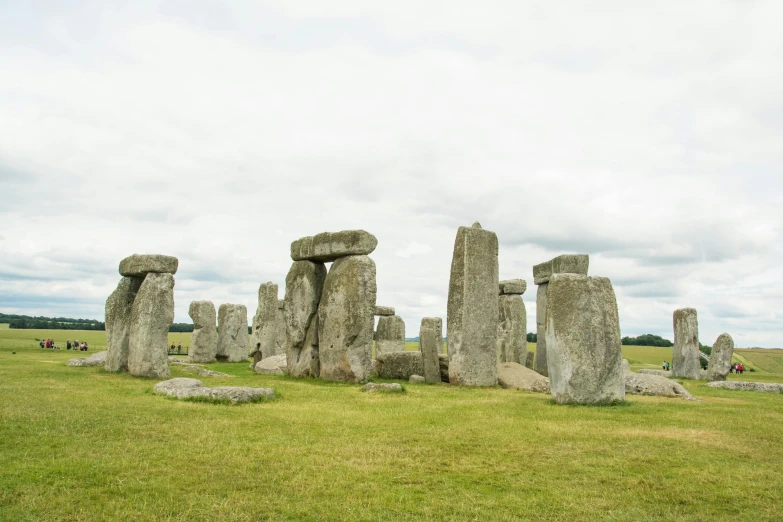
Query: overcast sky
646, 134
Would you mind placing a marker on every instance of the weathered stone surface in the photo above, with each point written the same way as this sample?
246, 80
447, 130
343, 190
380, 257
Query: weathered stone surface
303, 287
565, 264
96, 359
512, 329
263, 341
516, 376
512, 287
641, 384
541, 301
529, 360
769, 387
390, 335
399, 365
272, 365
431, 346
662, 373
685, 354
142, 264
232, 333
200, 370
472, 312
151, 316
179, 387
203, 343
384, 310
418, 379
280, 322
346, 319
182, 388
583, 341
382, 387
720, 358
330, 246
118, 321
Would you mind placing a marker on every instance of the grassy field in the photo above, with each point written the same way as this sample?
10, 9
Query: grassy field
83, 444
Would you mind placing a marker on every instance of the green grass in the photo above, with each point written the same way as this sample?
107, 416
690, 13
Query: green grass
83, 444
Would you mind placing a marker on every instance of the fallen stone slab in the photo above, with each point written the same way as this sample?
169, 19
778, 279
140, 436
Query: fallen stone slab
769, 387
96, 359
512, 287
565, 264
384, 310
416, 379
515, 376
329, 246
184, 388
662, 373
273, 365
204, 372
647, 384
142, 264
382, 387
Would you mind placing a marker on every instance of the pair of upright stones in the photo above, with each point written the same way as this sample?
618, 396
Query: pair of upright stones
138, 315
685, 353
330, 316
228, 343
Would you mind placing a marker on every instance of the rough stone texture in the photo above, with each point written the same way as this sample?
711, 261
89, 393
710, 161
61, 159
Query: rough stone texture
641, 384
431, 346
118, 321
512, 329
384, 310
417, 379
770, 387
96, 359
662, 373
330, 246
151, 316
584, 353
472, 312
541, 364
183, 387
303, 287
142, 264
263, 341
516, 376
346, 320
399, 365
232, 333
382, 387
280, 322
273, 365
685, 354
203, 343
390, 335
529, 360
565, 264
512, 287
201, 370
720, 359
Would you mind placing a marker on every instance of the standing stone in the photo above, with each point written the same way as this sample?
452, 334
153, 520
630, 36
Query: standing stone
232, 333
472, 313
263, 341
280, 322
431, 344
512, 329
303, 287
583, 341
529, 360
203, 344
685, 354
541, 364
720, 358
151, 317
118, 323
390, 335
346, 319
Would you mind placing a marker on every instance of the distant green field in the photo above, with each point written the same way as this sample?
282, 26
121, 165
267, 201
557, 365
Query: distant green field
4, 326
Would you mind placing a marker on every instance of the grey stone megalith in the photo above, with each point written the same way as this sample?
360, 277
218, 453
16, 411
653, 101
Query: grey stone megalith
390, 334
564, 264
685, 354
584, 353
280, 321
384, 310
431, 345
138, 265
346, 319
512, 322
472, 313
118, 323
263, 341
330, 246
151, 316
303, 287
203, 343
232, 333
720, 358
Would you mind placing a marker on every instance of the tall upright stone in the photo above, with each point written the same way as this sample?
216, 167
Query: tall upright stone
118, 323
280, 321
472, 313
541, 302
303, 288
720, 358
431, 345
263, 341
685, 354
232, 333
583, 341
390, 335
512, 322
346, 319
151, 316
203, 343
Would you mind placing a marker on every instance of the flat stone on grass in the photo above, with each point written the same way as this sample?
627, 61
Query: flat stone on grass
387, 387
186, 388
96, 359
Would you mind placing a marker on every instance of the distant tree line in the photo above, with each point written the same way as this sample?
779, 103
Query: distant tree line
26, 322
532, 338
647, 340
181, 327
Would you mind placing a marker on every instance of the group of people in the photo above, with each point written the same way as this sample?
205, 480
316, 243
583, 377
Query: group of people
178, 348
76, 345
737, 368
666, 366
49, 343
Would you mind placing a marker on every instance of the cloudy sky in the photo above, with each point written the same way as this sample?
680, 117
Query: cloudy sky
646, 134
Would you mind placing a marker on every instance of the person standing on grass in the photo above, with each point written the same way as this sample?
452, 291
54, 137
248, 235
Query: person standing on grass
41, 343
179, 347
68, 344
